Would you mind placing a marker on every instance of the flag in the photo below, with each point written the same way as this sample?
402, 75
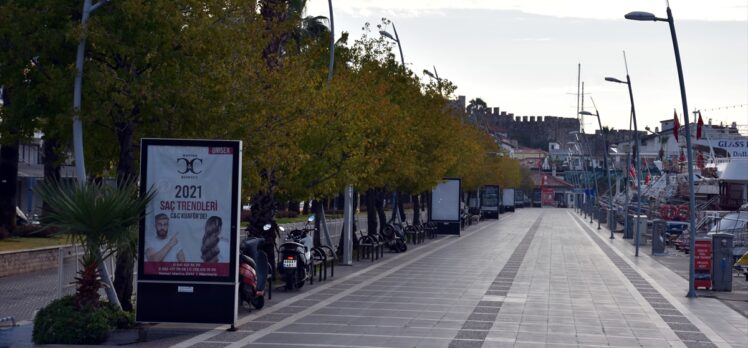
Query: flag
676, 124
699, 125
632, 171
647, 179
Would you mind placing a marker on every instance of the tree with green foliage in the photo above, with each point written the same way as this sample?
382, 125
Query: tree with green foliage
36, 55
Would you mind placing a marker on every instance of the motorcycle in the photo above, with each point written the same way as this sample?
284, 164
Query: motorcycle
295, 256
254, 269
394, 237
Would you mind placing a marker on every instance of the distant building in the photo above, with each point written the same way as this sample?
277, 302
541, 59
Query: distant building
31, 172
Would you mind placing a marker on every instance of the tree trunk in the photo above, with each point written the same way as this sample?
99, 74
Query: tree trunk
293, 208
51, 161
125, 260
371, 212
428, 205
8, 182
305, 209
123, 278
401, 205
262, 213
380, 209
416, 210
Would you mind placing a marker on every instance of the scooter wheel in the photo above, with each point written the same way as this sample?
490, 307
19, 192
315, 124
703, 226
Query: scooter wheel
258, 302
290, 280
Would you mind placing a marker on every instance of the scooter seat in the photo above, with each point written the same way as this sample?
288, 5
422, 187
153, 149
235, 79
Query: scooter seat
249, 261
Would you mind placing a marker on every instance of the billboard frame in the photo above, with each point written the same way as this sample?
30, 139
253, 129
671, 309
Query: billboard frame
447, 226
191, 299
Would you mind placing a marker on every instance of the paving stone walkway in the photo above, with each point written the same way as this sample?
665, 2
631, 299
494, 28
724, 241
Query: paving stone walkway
535, 278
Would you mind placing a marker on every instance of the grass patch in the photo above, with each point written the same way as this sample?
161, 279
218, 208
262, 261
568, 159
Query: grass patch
21, 243
290, 220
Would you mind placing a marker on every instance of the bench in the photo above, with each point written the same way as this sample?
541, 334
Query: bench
322, 257
411, 234
474, 219
430, 230
369, 246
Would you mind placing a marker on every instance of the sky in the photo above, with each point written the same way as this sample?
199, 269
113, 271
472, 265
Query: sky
522, 55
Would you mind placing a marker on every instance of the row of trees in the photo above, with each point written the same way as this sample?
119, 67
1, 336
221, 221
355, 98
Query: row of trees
253, 70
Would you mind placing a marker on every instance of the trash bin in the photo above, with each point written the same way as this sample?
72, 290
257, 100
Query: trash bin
722, 260
659, 227
628, 233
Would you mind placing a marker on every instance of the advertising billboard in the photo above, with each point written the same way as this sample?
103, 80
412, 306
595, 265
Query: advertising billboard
445, 206
188, 245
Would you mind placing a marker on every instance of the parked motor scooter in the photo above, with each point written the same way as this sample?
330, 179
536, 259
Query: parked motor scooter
253, 272
394, 236
295, 256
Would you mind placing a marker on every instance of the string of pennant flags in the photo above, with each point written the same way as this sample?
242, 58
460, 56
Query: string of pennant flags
726, 107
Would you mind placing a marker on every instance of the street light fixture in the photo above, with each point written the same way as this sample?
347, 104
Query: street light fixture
435, 76
646, 16
607, 169
395, 38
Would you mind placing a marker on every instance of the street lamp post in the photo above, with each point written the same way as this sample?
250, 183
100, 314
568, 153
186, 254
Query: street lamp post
80, 168
645, 16
395, 38
637, 157
574, 176
591, 204
626, 221
605, 165
583, 181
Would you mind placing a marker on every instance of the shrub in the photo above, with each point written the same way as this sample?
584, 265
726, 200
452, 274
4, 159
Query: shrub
61, 323
119, 319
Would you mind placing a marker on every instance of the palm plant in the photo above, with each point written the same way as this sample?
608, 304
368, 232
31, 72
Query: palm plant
99, 217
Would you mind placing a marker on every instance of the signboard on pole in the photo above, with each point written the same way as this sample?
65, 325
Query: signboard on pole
188, 246
445, 206
702, 264
548, 196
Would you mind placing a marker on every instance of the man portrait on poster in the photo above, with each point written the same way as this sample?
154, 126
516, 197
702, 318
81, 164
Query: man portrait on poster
161, 248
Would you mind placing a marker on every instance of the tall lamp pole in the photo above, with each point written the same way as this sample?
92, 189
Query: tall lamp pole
348, 193
605, 164
646, 16
591, 203
637, 154
80, 167
595, 202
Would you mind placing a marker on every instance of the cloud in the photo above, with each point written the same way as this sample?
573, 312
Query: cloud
715, 10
